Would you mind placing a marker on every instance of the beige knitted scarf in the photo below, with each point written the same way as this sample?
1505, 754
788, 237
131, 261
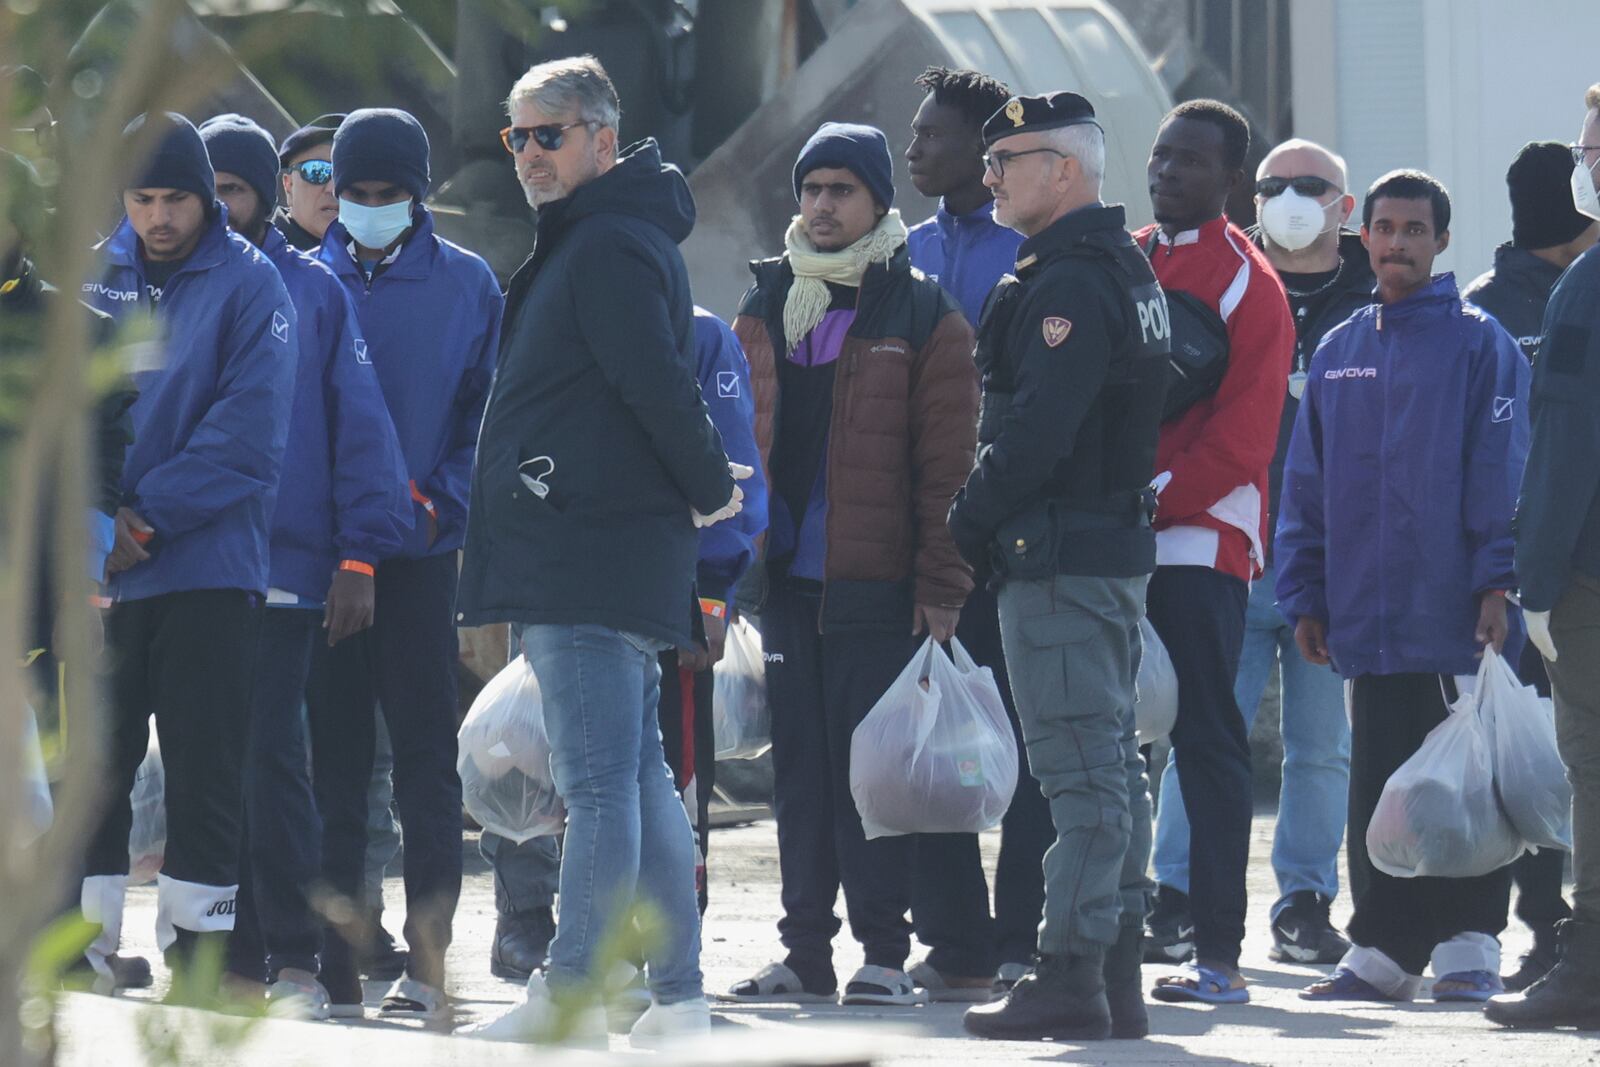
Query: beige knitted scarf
813, 270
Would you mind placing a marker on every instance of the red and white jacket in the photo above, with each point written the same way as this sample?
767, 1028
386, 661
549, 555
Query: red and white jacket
1212, 461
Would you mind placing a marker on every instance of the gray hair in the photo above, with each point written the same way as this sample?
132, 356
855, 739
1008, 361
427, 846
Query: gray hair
577, 83
1084, 142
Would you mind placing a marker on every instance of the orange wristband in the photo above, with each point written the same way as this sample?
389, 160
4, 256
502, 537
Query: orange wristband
359, 567
715, 608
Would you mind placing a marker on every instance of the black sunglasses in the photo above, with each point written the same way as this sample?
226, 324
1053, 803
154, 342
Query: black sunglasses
1306, 185
549, 138
315, 171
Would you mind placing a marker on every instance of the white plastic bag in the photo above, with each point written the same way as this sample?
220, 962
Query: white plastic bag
739, 712
1156, 709
1439, 814
1528, 772
147, 839
504, 759
936, 753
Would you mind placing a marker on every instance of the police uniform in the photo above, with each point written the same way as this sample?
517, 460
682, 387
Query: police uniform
1072, 351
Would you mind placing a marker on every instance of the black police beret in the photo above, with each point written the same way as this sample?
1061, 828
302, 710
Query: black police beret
1030, 114
319, 130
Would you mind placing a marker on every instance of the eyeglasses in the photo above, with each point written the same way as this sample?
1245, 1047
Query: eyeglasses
515, 138
1578, 151
996, 161
315, 171
1306, 185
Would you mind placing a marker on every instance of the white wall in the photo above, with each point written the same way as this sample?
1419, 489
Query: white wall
1454, 87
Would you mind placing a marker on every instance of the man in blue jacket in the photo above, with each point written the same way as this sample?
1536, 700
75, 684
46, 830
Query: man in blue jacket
342, 505
527, 875
1394, 554
430, 314
1558, 565
189, 567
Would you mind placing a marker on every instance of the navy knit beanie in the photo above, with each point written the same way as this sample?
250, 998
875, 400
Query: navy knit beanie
1542, 215
237, 145
319, 130
381, 144
179, 160
862, 150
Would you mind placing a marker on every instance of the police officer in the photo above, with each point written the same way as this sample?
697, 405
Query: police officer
1072, 352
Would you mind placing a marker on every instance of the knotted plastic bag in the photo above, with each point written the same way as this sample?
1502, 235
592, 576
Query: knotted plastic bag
936, 753
504, 759
1156, 710
1439, 814
1528, 771
740, 715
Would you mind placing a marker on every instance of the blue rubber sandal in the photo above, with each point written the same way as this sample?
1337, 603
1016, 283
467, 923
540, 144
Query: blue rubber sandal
1485, 984
1211, 986
1345, 984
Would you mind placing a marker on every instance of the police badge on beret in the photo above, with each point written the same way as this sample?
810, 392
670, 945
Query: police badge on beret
1031, 114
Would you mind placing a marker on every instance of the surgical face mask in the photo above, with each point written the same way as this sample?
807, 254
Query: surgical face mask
375, 227
1293, 220
1584, 195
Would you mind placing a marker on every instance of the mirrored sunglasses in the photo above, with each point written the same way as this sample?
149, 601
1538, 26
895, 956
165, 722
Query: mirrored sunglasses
315, 171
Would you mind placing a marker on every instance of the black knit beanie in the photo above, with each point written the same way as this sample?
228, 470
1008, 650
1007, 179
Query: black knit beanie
1542, 215
179, 160
381, 144
239, 146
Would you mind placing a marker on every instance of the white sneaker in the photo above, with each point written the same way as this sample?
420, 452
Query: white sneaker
298, 995
537, 1020
668, 1024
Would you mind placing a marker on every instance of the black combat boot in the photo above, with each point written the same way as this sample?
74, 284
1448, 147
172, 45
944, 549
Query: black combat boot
1537, 961
521, 940
1568, 996
1125, 987
1063, 997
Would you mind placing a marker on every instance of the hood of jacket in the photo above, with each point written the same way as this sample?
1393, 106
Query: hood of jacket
640, 186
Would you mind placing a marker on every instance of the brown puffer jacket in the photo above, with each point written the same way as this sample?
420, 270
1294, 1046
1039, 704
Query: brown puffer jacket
901, 439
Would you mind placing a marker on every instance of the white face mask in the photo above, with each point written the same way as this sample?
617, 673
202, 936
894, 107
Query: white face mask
1584, 195
1292, 221
375, 227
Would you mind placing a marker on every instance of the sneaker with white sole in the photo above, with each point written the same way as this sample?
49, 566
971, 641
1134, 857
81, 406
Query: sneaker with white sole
882, 986
297, 994
538, 1020
668, 1024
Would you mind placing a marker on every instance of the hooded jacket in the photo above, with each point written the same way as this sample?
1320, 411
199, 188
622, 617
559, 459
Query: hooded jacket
431, 320
215, 387
1400, 482
1515, 292
596, 443
1558, 518
728, 548
343, 492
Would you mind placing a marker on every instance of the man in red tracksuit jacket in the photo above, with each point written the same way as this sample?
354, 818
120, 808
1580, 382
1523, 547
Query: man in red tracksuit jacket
1211, 482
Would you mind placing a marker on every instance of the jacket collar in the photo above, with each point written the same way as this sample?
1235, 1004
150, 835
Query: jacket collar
121, 249
1522, 265
295, 233
1068, 231
1438, 295
413, 259
982, 216
1206, 231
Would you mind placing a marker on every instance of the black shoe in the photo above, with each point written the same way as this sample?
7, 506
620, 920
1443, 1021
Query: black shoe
1536, 962
1568, 996
384, 960
1303, 932
521, 940
1169, 932
1063, 997
127, 972
1125, 986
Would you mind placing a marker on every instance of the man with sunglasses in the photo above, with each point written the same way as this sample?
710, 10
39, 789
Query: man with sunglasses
1558, 568
309, 205
597, 463
1212, 521
1547, 234
430, 314
1302, 207
1072, 349
342, 505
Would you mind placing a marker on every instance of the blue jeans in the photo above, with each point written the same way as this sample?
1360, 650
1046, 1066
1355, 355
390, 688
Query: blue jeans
1316, 760
628, 836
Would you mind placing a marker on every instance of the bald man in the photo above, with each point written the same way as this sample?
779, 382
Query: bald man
1302, 205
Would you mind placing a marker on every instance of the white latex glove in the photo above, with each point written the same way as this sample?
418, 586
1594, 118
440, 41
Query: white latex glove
735, 503
1539, 633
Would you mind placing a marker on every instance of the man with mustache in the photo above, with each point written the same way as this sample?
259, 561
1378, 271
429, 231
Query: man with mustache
1401, 478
